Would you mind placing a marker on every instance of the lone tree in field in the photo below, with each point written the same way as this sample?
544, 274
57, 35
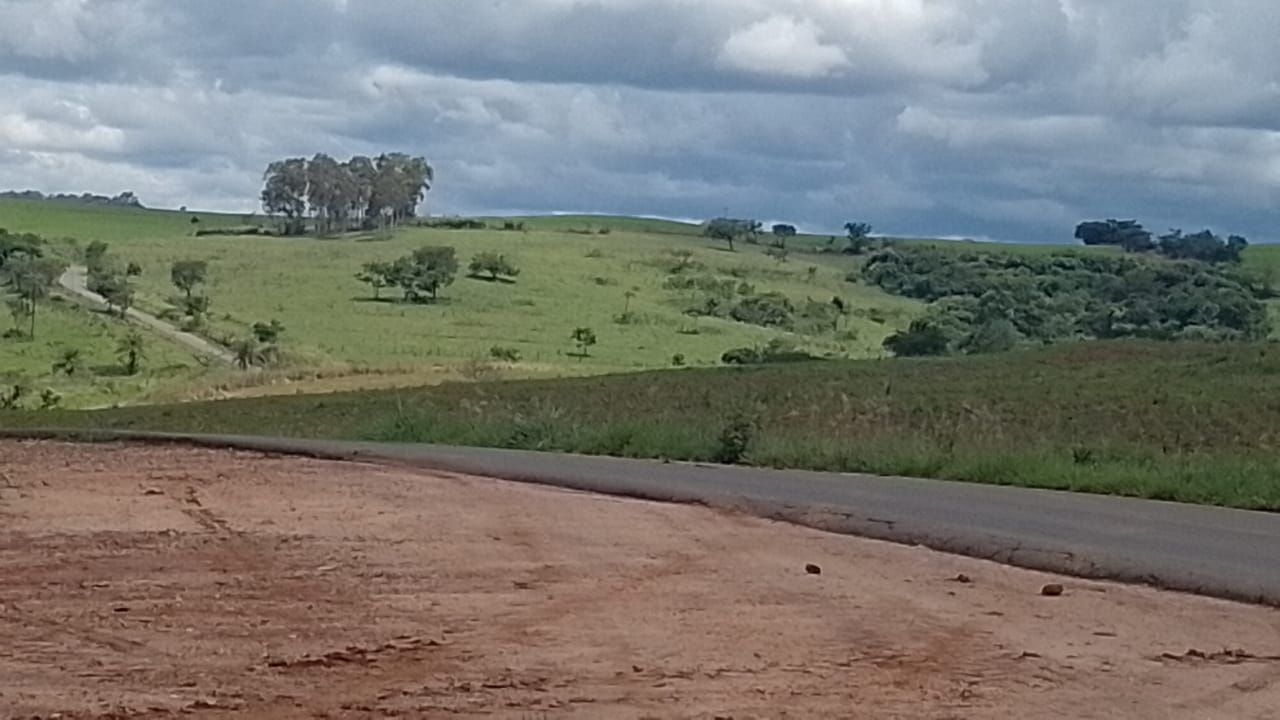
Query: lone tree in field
131, 350
377, 275
424, 272
188, 274
493, 265
115, 288
783, 232
858, 235
584, 338
30, 277
247, 353
730, 230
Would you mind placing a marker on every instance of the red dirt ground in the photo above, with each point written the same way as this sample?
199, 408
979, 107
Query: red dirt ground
142, 582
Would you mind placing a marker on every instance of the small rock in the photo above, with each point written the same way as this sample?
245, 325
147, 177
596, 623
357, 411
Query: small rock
813, 569
1052, 590
152, 491
962, 579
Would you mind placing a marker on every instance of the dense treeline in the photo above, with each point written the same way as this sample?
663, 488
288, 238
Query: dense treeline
1132, 237
990, 300
361, 193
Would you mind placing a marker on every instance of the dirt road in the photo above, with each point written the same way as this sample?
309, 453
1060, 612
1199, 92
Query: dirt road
76, 282
164, 582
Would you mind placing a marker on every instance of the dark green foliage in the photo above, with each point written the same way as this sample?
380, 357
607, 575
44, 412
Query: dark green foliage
424, 272
114, 287
678, 360
923, 338
766, 310
25, 244
133, 270
186, 275
268, 332
858, 238
735, 439
1065, 295
783, 232
993, 336
30, 278
504, 354
731, 230
584, 339
776, 352
1203, 246
453, 223
95, 255
1127, 234
70, 363
492, 265
131, 350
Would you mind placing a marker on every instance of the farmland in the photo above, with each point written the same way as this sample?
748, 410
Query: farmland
574, 272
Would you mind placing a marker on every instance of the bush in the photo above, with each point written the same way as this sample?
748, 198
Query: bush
504, 354
493, 265
765, 310
923, 338
776, 352
735, 439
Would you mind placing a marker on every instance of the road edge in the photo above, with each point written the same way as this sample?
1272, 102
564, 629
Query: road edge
975, 544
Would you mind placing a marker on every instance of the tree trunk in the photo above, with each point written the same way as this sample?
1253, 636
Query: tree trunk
32, 333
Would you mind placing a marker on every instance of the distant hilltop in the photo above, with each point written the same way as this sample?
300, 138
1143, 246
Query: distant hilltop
124, 199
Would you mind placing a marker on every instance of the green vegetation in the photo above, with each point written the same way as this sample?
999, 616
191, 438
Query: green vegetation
1188, 422
1060, 296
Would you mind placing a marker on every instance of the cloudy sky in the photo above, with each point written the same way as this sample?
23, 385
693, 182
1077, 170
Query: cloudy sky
1008, 119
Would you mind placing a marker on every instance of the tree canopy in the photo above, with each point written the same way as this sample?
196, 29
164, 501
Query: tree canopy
1068, 295
362, 193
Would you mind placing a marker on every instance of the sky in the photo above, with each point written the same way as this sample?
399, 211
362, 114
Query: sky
1001, 119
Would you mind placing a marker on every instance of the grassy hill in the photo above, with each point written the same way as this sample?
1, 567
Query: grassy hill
1186, 422
572, 275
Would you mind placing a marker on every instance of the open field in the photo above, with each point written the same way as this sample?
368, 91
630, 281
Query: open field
1186, 422
568, 280
161, 582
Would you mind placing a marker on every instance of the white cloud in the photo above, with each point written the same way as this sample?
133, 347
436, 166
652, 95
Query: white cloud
970, 117
782, 46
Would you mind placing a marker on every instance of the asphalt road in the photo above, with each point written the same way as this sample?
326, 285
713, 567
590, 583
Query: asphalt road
1231, 554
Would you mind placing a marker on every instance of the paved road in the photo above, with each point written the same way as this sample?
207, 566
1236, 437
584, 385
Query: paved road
1213, 551
76, 281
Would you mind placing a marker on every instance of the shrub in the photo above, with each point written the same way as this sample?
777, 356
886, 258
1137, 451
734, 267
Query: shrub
765, 310
735, 439
504, 354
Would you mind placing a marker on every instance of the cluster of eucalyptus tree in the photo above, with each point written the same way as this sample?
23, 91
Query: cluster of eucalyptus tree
362, 193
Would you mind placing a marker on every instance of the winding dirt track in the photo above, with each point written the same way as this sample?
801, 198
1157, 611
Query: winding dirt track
165, 582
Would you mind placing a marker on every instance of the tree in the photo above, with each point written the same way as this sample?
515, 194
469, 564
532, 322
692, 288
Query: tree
30, 278
377, 275
858, 236
493, 265
425, 271
993, 336
268, 333
584, 338
95, 255
783, 232
922, 338
730, 230
1127, 234
116, 289
131, 350
69, 363
247, 353
285, 193
765, 309
1203, 246
187, 274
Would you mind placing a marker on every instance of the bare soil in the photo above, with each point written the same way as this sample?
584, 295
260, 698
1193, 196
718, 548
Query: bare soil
144, 582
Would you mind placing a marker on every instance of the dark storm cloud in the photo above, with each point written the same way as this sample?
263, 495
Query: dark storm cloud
1004, 118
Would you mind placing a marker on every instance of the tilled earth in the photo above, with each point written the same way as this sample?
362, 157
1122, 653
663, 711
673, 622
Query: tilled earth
157, 582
